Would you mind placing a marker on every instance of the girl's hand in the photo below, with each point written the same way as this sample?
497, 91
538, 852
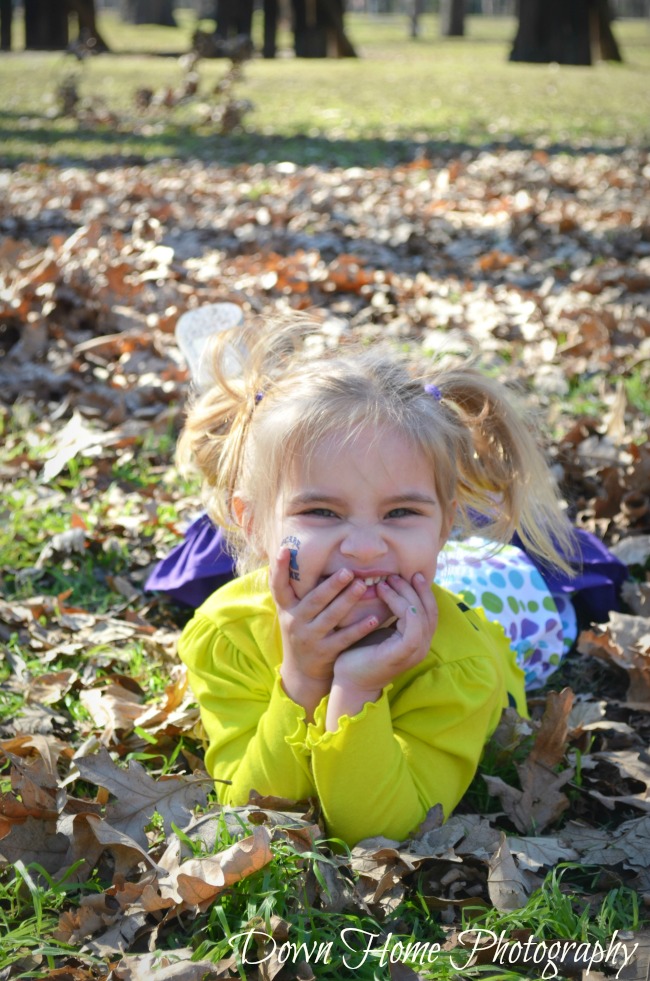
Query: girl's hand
311, 642
362, 672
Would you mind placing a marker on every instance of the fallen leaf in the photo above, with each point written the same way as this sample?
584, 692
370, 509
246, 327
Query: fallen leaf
198, 881
625, 642
174, 965
139, 796
506, 884
550, 743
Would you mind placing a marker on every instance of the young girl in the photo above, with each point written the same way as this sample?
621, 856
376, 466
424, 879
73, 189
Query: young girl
333, 667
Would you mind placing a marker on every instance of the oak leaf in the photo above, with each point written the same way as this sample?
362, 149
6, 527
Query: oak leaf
139, 796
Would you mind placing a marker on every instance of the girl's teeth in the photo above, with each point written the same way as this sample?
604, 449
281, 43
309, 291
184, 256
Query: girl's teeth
373, 580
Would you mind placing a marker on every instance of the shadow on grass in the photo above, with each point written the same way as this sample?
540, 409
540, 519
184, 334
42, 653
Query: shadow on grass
33, 138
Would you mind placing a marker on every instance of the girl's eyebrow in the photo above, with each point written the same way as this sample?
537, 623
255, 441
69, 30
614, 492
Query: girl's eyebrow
413, 497
313, 497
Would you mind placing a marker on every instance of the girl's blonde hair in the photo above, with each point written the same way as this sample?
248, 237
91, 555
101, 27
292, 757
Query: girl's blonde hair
245, 435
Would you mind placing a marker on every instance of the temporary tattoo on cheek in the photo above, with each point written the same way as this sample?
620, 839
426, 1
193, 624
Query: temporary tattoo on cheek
294, 571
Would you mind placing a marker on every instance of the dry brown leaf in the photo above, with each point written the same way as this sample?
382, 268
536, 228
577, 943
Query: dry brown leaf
50, 688
637, 597
200, 880
550, 743
534, 853
539, 804
639, 967
506, 885
91, 836
112, 708
175, 965
139, 796
34, 841
625, 642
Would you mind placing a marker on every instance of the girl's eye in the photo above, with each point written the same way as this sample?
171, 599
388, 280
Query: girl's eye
321, 513
400, 513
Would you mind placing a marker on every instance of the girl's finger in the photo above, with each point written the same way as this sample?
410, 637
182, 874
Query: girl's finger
347, 637
329, 618
404, 589
417, 618
427, 598
322, 596
398, 595
279, 581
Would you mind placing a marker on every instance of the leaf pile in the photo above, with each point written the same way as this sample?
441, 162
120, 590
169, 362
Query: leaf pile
540, 262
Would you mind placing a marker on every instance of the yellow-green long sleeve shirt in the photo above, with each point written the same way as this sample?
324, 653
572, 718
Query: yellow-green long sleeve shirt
379, 773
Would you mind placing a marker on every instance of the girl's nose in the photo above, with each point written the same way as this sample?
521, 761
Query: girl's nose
363, 543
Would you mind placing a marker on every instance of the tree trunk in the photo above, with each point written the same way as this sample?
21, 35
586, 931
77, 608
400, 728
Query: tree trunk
417, 7
270, 28
46, 25
148, 12
556, 30
89, 36
234, 17
603, 42
452, 18
338, 42
6, 17
309, 32
319, 29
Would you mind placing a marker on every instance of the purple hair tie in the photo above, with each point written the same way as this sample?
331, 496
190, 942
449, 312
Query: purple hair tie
434, 391
258, 397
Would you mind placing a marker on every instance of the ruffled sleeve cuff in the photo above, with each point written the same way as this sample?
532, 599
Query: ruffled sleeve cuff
373, 719
289, 716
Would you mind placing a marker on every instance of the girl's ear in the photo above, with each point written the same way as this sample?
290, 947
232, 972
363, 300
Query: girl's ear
242, 514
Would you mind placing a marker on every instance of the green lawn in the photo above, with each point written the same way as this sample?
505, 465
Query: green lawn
452, 90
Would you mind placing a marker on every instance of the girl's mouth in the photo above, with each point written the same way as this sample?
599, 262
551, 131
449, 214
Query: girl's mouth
371, 583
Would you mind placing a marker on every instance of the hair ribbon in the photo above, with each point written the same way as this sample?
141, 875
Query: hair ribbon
433, 391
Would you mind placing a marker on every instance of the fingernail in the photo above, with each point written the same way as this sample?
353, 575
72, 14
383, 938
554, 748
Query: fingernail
373, 622
345, 575
419, 577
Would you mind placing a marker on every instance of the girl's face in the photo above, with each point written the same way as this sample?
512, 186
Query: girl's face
370, 506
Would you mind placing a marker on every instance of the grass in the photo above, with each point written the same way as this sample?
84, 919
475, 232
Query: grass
570, 904
367, 111
30, 905
336, 944
563, 907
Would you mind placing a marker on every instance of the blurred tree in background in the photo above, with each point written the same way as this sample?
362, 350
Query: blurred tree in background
569, 32
46, 24
148, 12
452, 18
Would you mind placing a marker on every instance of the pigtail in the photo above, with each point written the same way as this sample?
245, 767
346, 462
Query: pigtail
245, 366
503, 481
214, 437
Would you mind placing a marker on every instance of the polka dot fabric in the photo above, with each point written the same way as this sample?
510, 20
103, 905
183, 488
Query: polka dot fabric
505, 583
